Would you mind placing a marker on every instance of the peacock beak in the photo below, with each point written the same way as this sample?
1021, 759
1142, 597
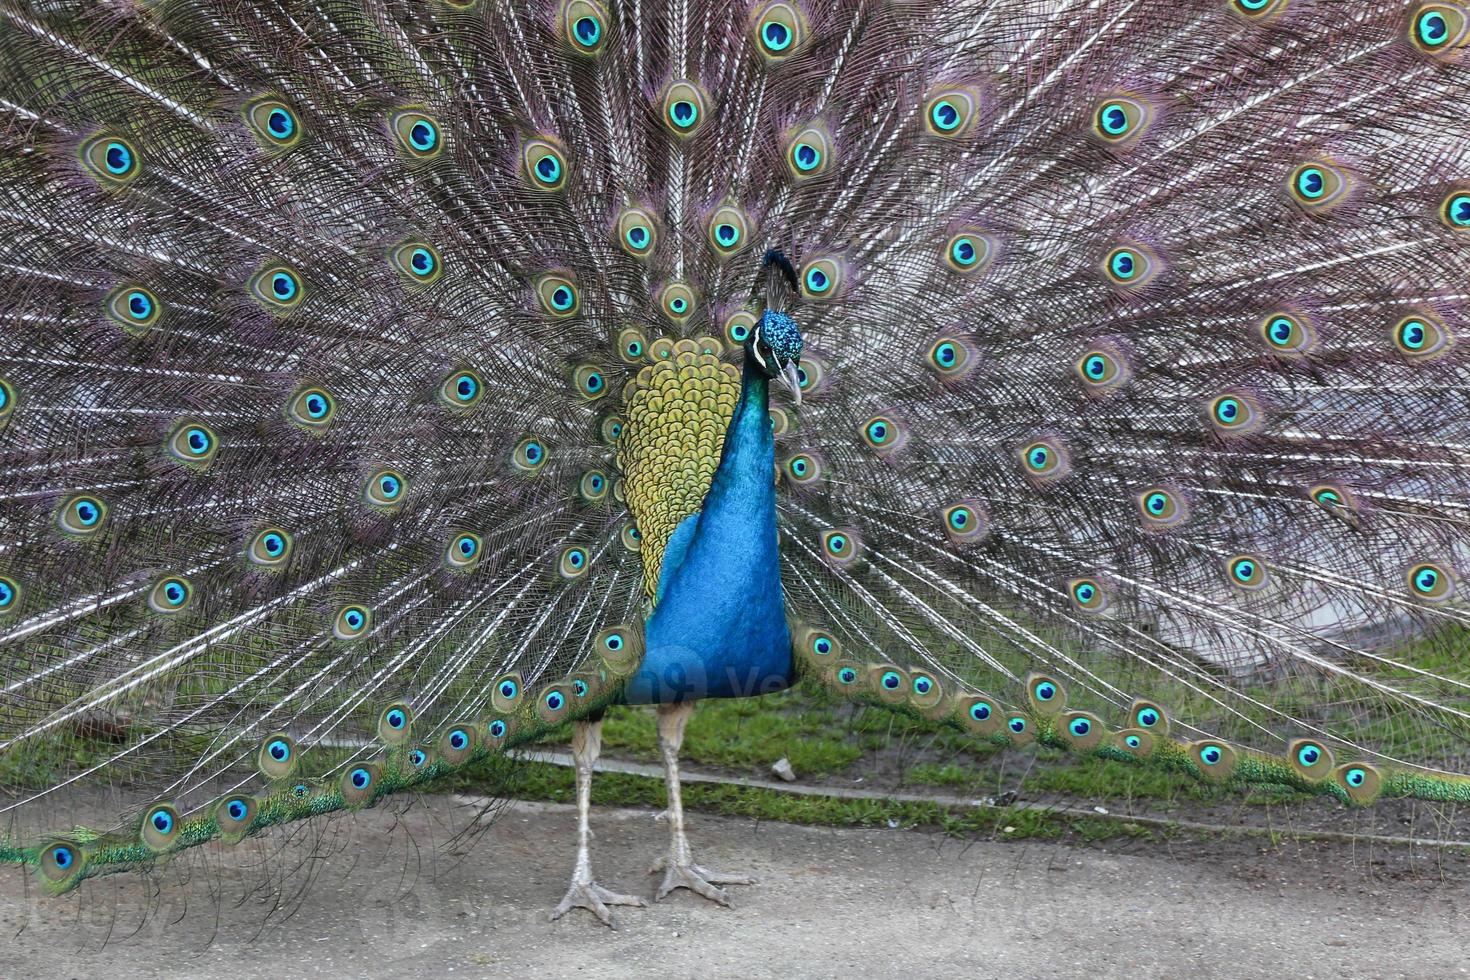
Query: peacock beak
792, 379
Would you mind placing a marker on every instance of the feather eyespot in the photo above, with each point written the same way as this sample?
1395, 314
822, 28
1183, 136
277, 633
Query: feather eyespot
111, 160
170, 595
808, 152
1258, 10
270, 548
1431, 582
965, 522
589, 381
133, 308
637, 231
677, 301
822, 279
160, 827
585, 26
1318, 185
418, 134
803, 469
1421, 336
632, 345
969, 251
738, 327
351, 622
10, 596
684, 108
529, 456
611, 430
631, 537
1162, 508
780, 30
1454, 210
1103, 369
951, 112
192, 443
312, 408
1335, 500
841, 546
1129, 266
385, 490
1287, 333
1248, 572
1045, 460
884, 434
728, 230
7, 401
81, 516
273, 123
463, 551
462, 390
1087, 595
593, 486
544, 164
1235, 413
1439, 29
278, 288
557, 294
573, 562
1120, 119
417, 262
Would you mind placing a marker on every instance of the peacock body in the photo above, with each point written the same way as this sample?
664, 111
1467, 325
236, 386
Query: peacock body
385, 383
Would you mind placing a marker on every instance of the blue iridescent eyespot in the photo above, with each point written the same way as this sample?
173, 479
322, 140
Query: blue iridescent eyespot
1440, 29
806, 157
140, 307
1123, 264
1431, 582
1308, 755
417, 758
162, 821
236, 809
396, 718
1017, 725
1234, 414
980, 711
1045, 691
1211, 754
280, 124
497, 729
9, 592
279, 749
1317, 185
1147, 717
1162, 508
891, 680
509, 689
361, 778
1455, 211
1079, 727
458, 739
554, 700
1421, 336
1355, 777
683, 108
1111, 119
1132, 741
110, 159
923, 685
586, 28
351, 622
273, 123
417, 133
580, 688
544, 164
847, 675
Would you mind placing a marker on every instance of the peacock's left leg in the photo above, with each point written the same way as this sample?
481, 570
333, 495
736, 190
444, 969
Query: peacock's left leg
584, 892
679, 868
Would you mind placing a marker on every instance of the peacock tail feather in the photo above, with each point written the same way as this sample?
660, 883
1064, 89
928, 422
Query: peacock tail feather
359, 360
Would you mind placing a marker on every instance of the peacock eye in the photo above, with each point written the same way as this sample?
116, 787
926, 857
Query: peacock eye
1421, 336
385, 489
593, 486
529, 455
269, 548
9, 596
557, 294
677, 301
951, 112
170, 595
637, 231
418, 134
273, 123
351, 622
109, 159
1234, 413
160, 827
1162, 508
1129, 266
463, 552
1247, 572
1258, 9
780, 30
683, 108
586, 26
821, 279
950, 358
1318, 185
1431, 582
631, 346
461, 390
1455, 210
728, 230
192, 443
631, 537
883, 434
81, 516
969, 251
965, 522
134, 308
277, 288
611, 430
1103, 369
1087, 595
573, 562
589, 381
544, 164
1287, 333
841, 546
808, 152
738, 326
1120, 119
803, 469
1440, 29
1045, 460
312, 409
417, 262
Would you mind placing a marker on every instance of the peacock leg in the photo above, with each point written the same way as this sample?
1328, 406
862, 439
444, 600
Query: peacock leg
679, 868
585, 893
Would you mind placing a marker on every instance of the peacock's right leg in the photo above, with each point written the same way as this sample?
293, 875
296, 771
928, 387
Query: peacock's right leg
585, 893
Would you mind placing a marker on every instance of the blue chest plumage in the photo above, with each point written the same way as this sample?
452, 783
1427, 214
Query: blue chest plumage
718, 629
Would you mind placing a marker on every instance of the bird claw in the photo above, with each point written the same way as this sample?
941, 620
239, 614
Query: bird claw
701, 881
594, 898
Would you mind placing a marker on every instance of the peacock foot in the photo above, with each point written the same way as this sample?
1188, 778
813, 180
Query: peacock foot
701, 881
594, 898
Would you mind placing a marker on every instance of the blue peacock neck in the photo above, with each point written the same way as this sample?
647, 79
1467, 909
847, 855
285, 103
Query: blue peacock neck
719, 627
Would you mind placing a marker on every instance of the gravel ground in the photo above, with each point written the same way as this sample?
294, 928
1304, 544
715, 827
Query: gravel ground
421, 902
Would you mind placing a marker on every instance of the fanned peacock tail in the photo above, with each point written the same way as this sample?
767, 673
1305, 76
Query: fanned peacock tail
1133, 416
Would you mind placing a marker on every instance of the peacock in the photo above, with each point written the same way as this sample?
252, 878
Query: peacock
385, 384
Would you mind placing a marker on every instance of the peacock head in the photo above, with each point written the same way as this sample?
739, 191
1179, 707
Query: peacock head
774, 347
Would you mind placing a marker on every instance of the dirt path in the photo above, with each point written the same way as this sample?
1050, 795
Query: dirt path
829, 903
